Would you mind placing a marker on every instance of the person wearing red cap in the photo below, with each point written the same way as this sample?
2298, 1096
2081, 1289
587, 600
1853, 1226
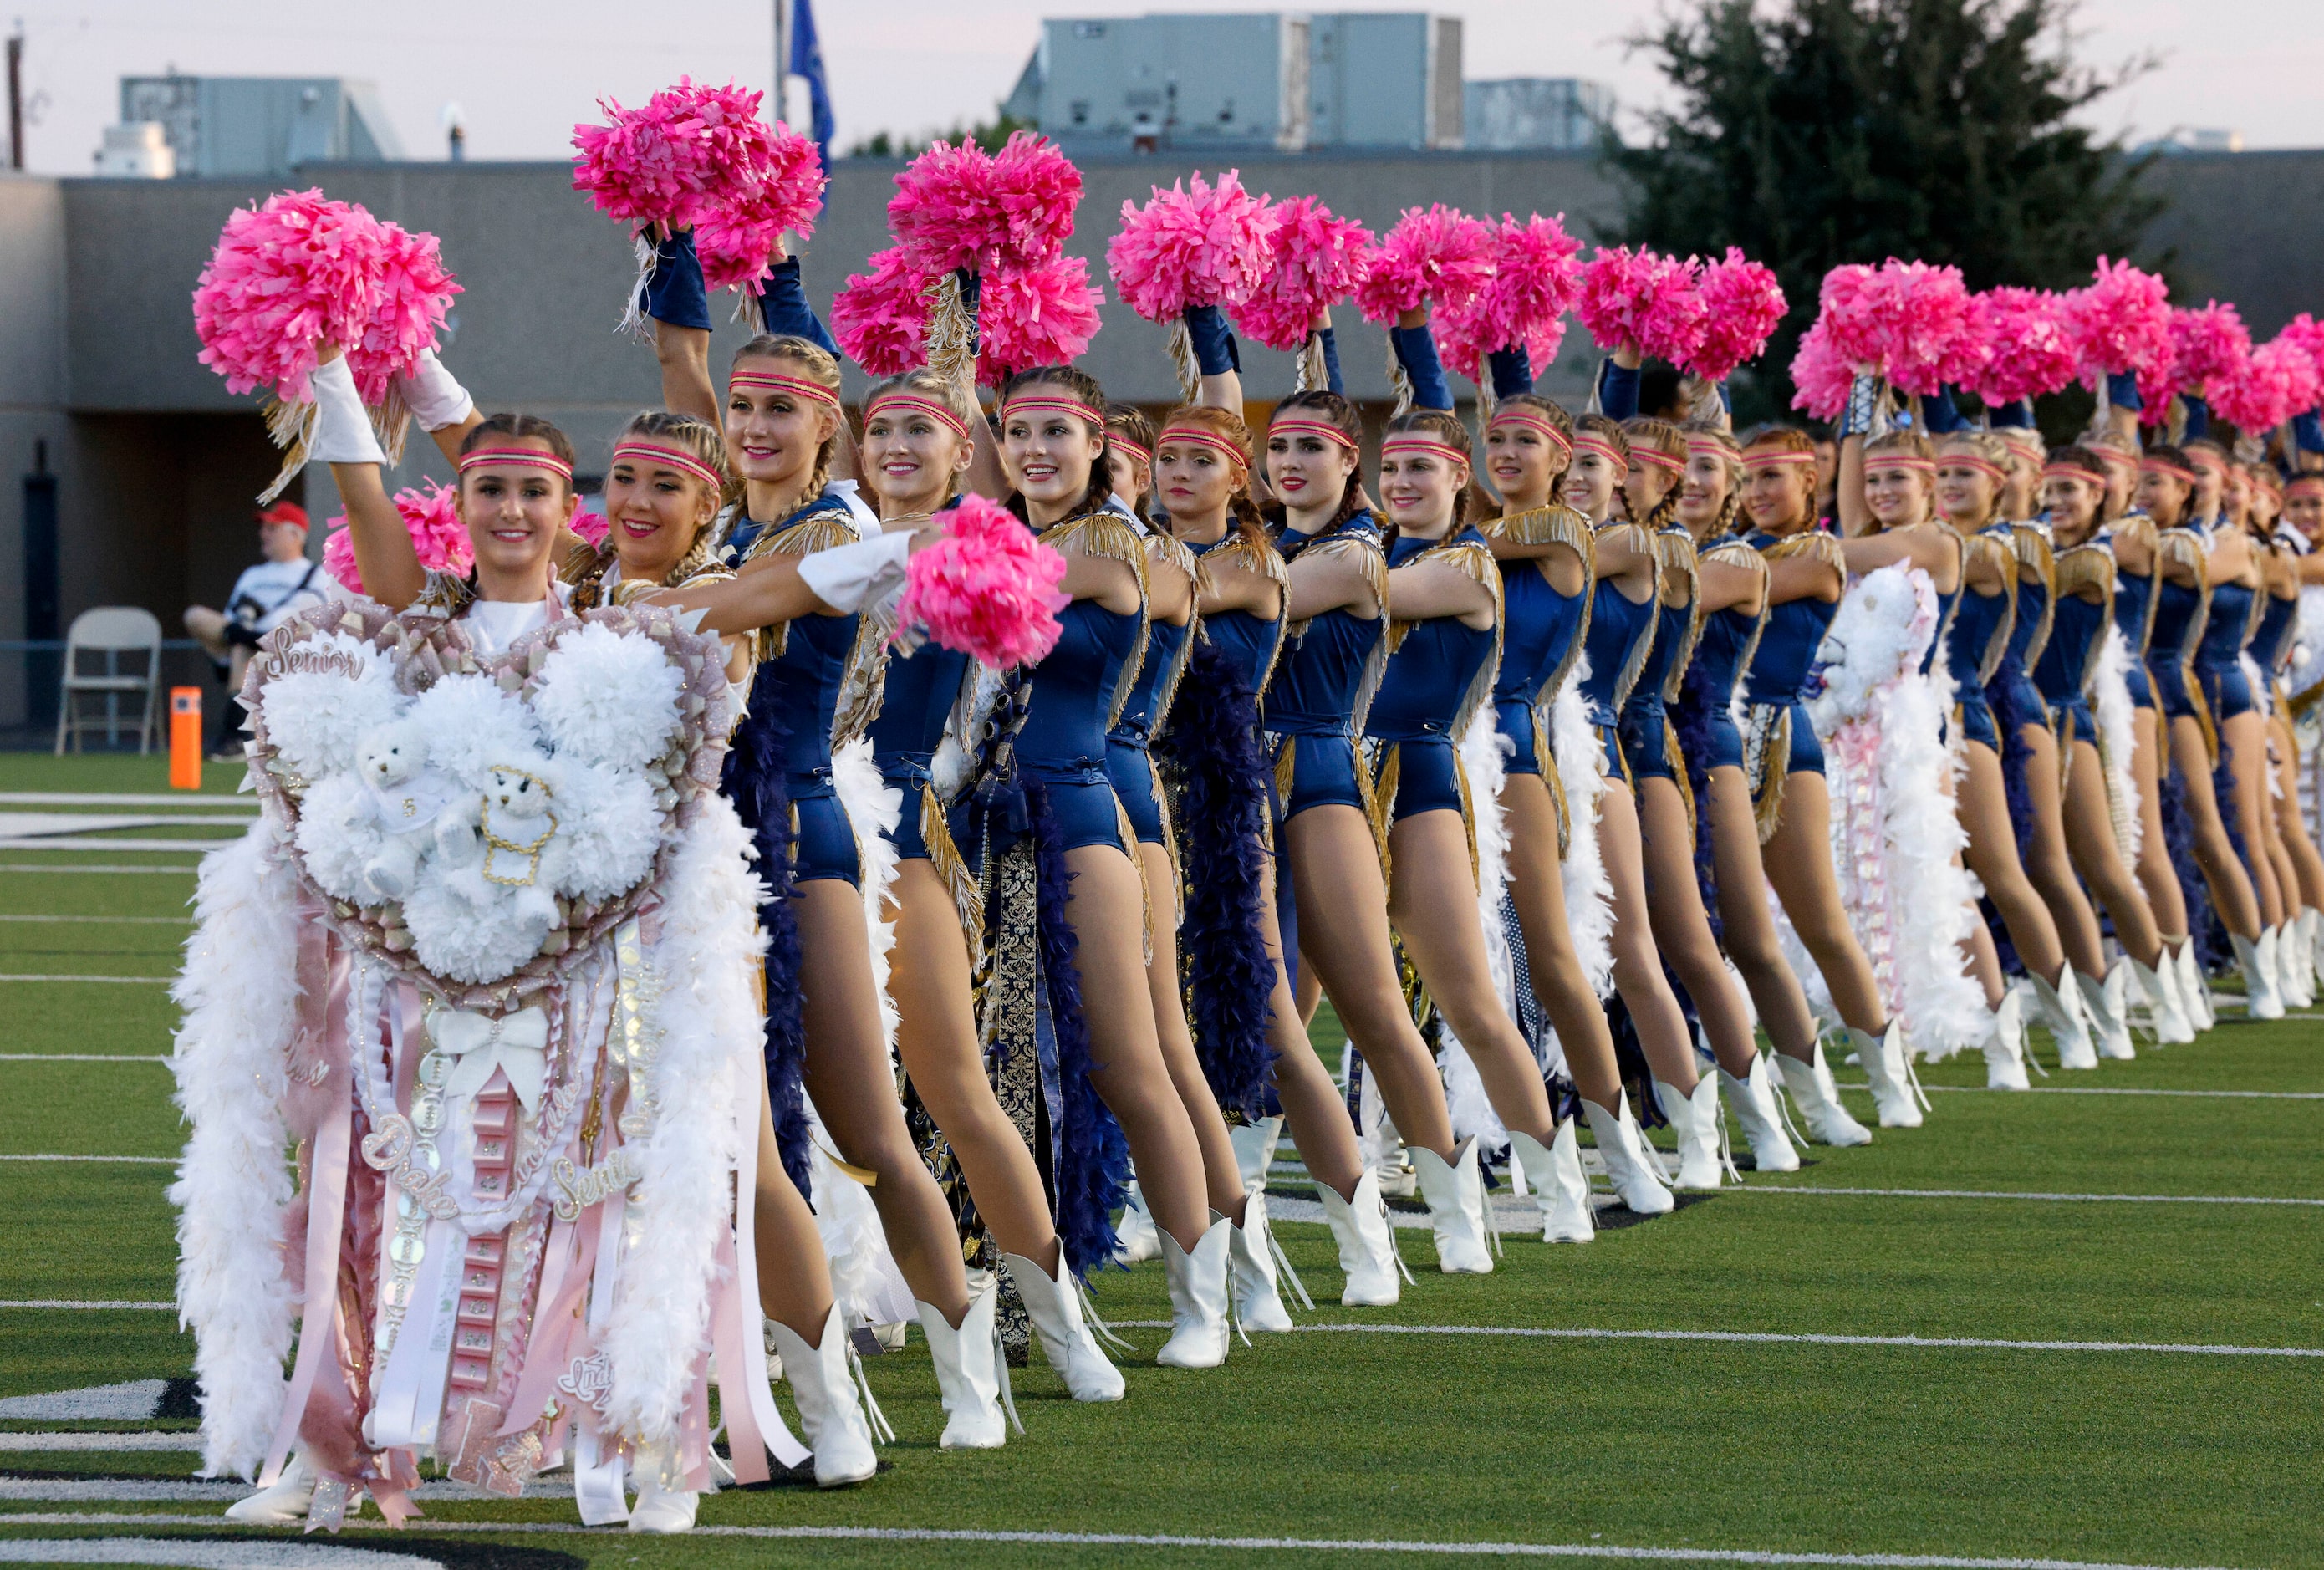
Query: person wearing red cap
283, 584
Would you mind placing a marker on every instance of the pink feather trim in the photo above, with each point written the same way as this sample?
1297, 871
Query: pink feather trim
1435, 256
1195, 244
1317, 261
592, 527
432, 516
987, 589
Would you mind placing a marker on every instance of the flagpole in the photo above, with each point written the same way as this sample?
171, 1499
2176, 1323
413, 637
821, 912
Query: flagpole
782, 55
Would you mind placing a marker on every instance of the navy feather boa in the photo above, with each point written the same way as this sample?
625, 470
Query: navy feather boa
2211, 948
1093, 1157
1691, 720
1212, 743
754, 781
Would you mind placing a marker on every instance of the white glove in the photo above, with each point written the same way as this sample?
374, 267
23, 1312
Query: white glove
433, 394
342, 432
848, 578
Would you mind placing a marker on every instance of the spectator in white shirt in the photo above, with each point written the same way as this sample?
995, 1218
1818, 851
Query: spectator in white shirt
280, 586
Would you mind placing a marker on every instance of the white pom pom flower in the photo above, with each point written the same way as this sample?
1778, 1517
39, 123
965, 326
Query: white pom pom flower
471, 724
315, 715
608, 700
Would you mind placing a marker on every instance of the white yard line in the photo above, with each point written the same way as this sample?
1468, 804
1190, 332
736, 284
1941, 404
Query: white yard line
126, 980
2004, 1194
1174, 1540
182, 871
193, 798
1771, 1337
2114, 1090
81, 1057
132, 1161
187, 1439
109, 920
81, 843
66, 1305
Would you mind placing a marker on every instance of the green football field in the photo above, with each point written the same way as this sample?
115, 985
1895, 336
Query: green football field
2083, 1326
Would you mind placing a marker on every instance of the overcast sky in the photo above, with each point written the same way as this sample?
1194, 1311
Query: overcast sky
523, 71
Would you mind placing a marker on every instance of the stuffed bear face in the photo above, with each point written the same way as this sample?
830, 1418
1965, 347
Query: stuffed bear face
392, 754
513, 793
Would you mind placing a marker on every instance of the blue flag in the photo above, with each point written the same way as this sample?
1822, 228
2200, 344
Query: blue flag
806, 60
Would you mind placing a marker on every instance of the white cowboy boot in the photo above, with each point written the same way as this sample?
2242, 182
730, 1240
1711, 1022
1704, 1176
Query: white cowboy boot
1254, 1148
1561, 1189
2164, 1010
1198, 1299
660, 1510
2311, 924
1056, 1310
2292, 972
1140, 1241
284, 1503
837, 1430
2005, 1048
1250, 1261
1695, 1118
1817, 1096
1891, 1075
2195, 988
2258, 962
1456, 1195
1630, 1161
969, 1373
1368, 1255
2101, 1007
2061, 1011
1753, 1097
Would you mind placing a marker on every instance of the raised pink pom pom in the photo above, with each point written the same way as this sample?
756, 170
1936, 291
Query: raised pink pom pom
688, 149
2121, 321
1743, 305
1195, 244
961, 207
987, 589
1437, 255
881, 319
1535, 278
1038, 189
294, 273
1822, 375
1909, 322
2277, 380
1044, 314
2207, 341
1642, 298
432, 517
414, 293
1318, 260
2028, 350
2305, 331
735, 238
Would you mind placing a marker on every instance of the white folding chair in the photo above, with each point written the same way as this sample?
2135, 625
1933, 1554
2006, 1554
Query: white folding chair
108, 633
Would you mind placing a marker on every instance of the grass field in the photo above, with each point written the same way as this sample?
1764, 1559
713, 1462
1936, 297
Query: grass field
2127, 1399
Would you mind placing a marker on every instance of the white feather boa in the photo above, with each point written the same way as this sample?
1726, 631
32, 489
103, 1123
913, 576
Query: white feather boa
1580, 761
1484, 750
240, 995
1896, 837
874, 807
2117, 719
659, 1328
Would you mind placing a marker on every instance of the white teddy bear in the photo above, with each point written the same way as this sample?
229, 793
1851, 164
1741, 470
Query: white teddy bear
406, 796
507, 837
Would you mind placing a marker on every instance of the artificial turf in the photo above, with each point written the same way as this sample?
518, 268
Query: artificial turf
2145, 1457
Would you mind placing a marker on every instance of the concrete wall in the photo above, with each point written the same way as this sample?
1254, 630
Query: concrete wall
157, 462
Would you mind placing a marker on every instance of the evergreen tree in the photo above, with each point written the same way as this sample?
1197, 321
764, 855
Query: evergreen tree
1820, 132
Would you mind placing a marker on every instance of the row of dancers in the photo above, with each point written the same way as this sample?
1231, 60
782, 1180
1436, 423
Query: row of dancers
1292, 724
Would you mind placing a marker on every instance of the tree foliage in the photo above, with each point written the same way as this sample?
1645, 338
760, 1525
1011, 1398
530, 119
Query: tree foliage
1817, 132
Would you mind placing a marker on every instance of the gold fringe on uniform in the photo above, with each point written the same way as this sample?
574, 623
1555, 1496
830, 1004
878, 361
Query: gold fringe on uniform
1767, 764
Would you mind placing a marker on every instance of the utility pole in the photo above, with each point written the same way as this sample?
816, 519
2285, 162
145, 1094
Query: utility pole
16, 97
782, 57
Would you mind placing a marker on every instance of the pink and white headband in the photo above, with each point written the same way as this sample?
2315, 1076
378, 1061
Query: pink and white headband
920, 405
1197, 436
1656, 457
813, 392
1295, 426
1591, 442
1534, 419
2155, 466
1413, 443
1981, 464
1051, 403
529, 458
677, 458
1777, 456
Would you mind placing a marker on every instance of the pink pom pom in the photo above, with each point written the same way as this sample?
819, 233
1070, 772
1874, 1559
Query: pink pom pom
1908, 321
1318, 260
690, 149
2028, 350
1044, 314
414, 294
961, 208
1436, 255
1822, 375
2121, 321
2207, 341
1205, 245
1644, 299
2306, 332
431, 516
881, 319
287, 276
987, 589
735, 238
1743, 304
1524, 304
2275, 382
592, 527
